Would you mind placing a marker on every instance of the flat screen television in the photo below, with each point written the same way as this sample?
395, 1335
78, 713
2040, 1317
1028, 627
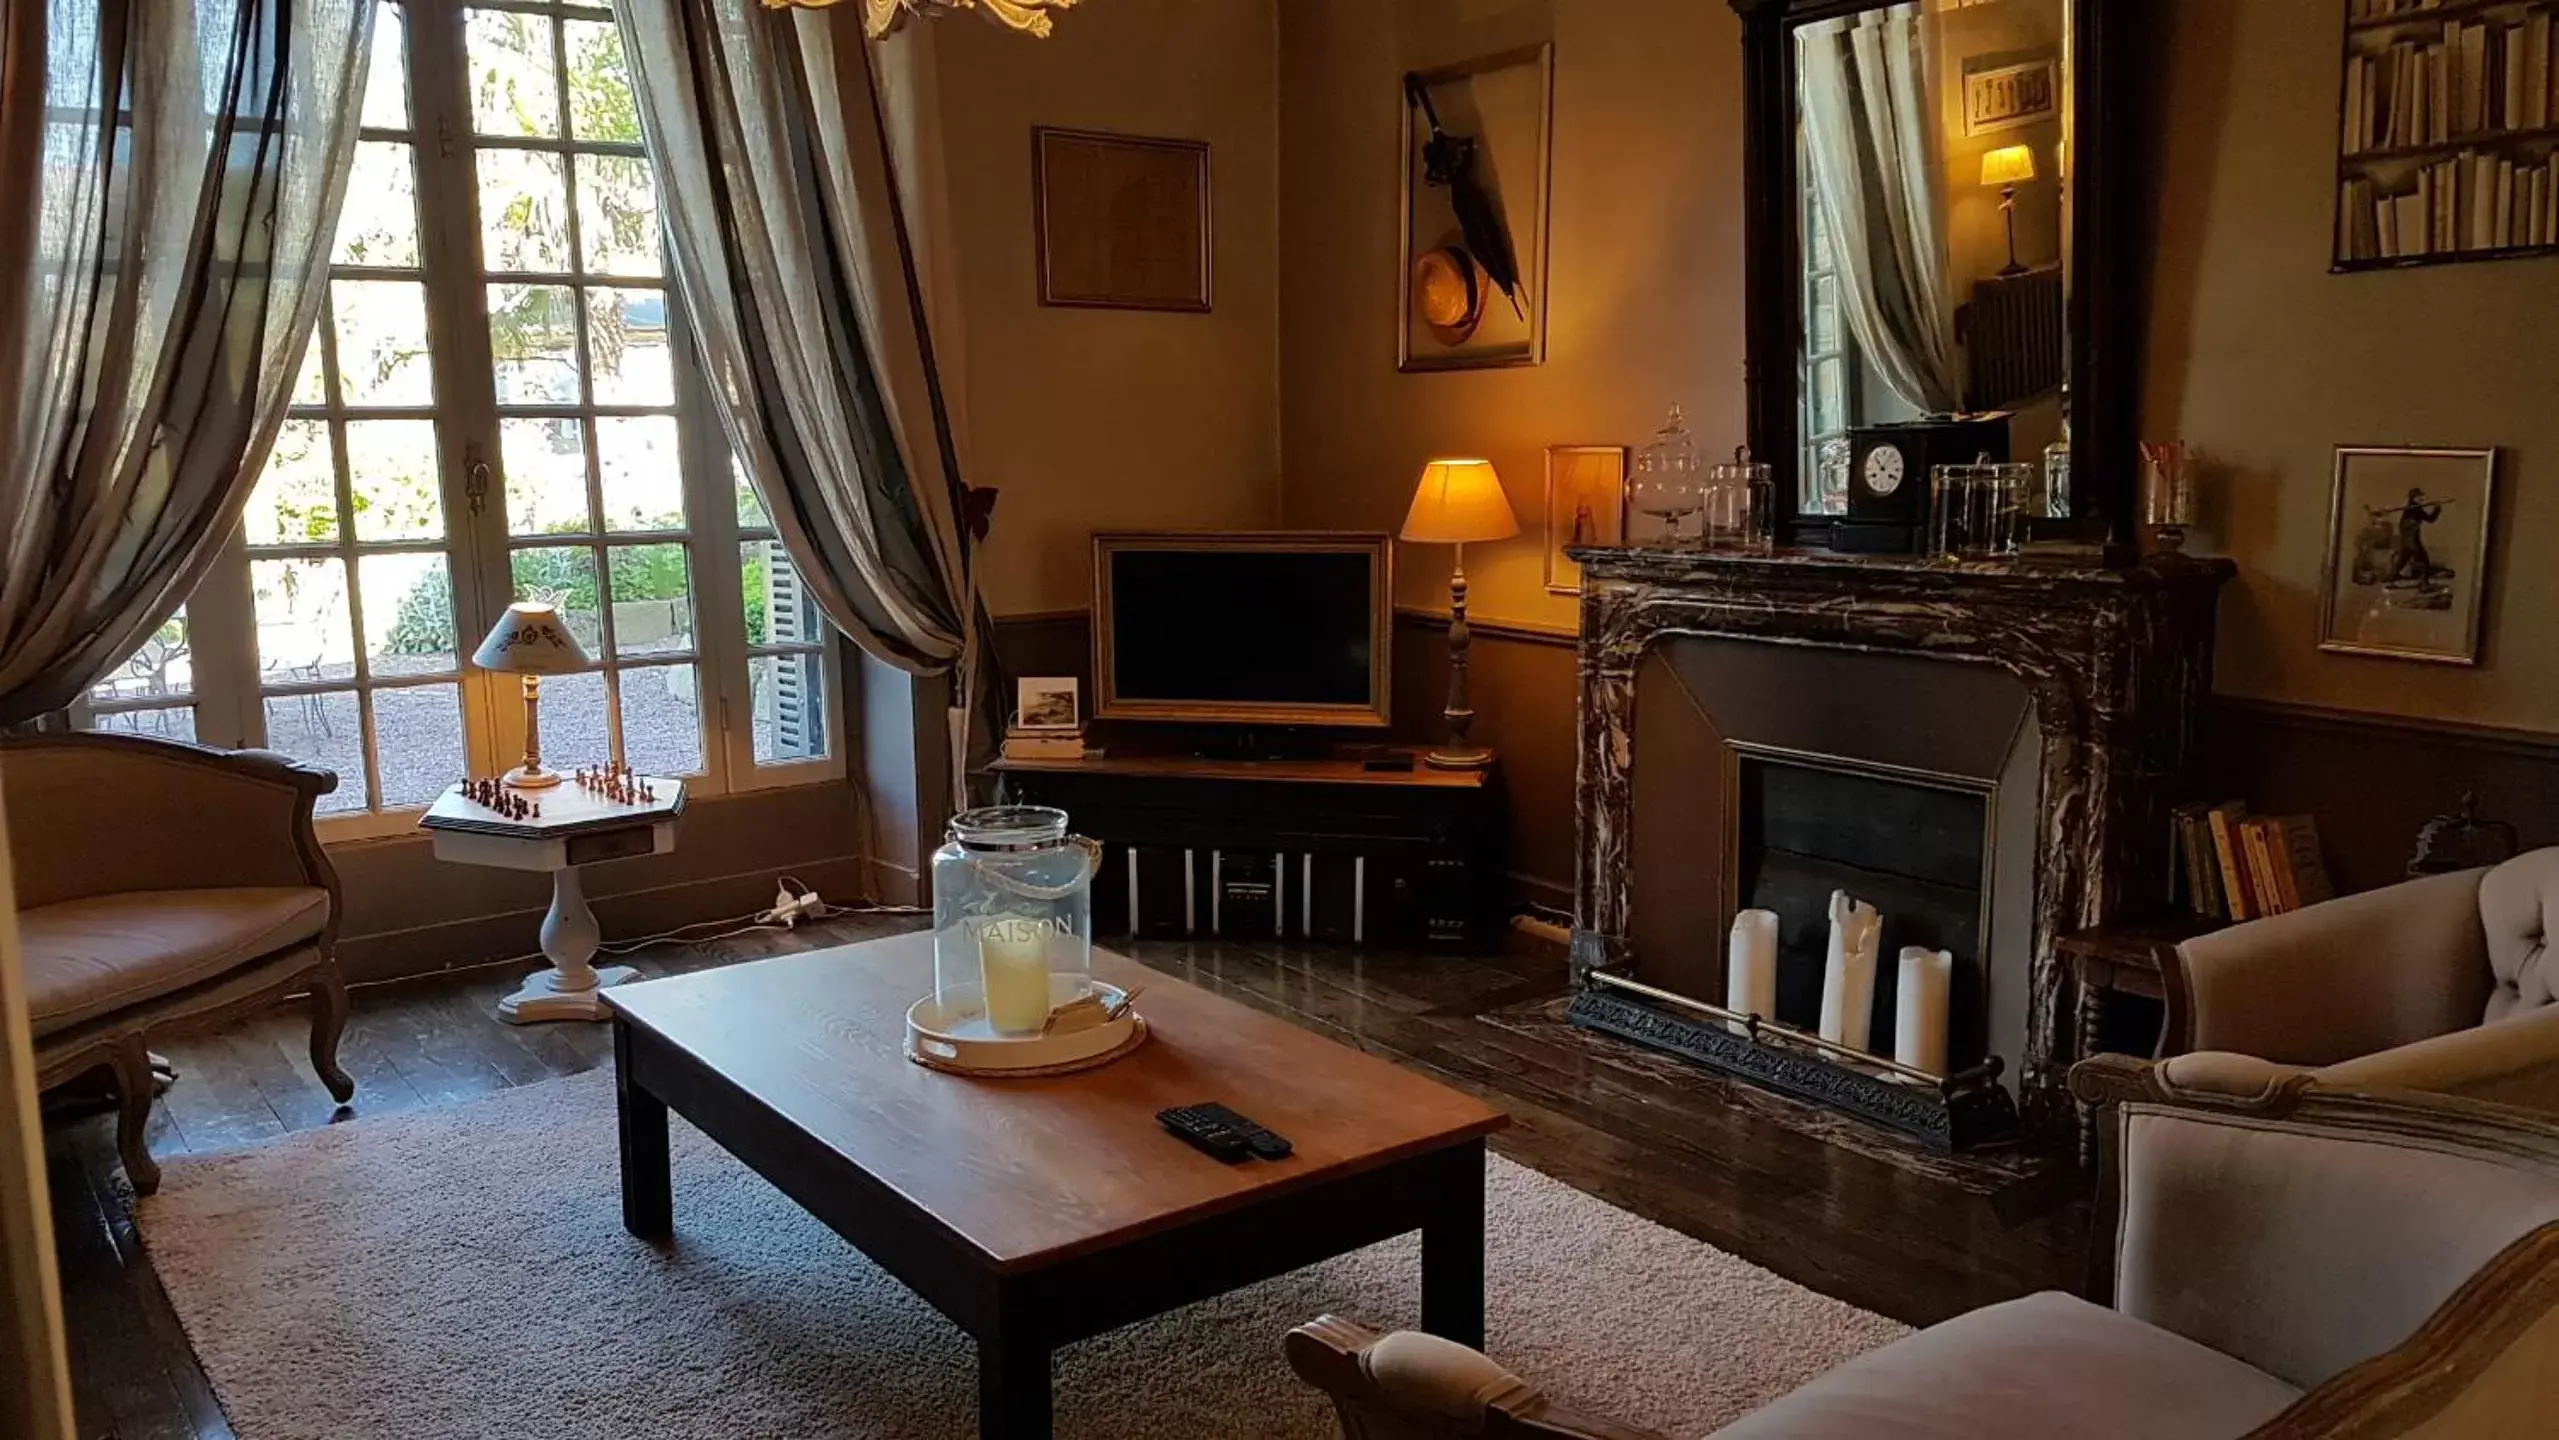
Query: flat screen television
1264, 628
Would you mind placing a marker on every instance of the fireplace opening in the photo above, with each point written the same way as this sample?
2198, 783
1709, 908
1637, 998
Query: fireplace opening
1918, 850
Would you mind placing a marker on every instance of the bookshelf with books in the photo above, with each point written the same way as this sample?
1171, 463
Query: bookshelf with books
2448, 141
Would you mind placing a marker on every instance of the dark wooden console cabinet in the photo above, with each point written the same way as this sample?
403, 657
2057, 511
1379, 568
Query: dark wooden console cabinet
1423, 843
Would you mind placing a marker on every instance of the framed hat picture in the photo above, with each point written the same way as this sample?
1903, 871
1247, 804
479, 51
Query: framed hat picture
1477, 140
2406, 573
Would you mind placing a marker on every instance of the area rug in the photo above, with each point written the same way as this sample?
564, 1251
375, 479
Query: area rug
463, 1272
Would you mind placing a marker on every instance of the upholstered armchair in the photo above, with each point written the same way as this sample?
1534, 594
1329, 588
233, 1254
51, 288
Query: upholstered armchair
2290, 1262
164, 887
2440, 984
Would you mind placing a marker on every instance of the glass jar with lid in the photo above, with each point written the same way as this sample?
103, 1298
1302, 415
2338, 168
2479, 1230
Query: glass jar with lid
1012, 917
1669, 482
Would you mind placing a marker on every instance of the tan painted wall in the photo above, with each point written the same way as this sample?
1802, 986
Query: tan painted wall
2266, 362
1646, 260
1092, 419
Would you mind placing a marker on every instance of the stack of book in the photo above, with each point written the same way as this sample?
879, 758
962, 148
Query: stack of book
2238, 866
1045, 743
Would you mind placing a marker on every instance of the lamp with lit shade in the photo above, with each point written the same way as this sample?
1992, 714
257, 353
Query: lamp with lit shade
1459, 502
531, 640
2008, 167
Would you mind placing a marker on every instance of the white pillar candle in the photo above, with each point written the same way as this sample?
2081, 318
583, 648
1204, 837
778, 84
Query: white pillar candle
1848, 972
1750, 967
1012, 957
1919, 1008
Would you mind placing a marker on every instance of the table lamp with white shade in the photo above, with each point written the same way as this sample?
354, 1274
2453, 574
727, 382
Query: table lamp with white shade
531, 640
1459, 501
2005, 169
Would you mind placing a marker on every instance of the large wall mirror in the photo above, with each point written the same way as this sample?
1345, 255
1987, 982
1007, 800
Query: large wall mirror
1929, 182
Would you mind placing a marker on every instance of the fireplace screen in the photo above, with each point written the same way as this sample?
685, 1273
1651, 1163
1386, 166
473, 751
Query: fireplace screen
1918, 849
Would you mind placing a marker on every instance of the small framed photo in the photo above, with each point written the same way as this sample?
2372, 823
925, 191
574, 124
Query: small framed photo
1048, 702
2406, 573
1585, 505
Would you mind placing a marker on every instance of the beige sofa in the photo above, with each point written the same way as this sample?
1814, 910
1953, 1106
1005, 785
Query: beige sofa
2290, 1262
2440, 984
164, 887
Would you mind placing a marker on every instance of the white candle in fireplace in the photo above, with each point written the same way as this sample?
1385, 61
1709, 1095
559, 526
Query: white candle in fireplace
1750, 967
1920, 1008
1848, 973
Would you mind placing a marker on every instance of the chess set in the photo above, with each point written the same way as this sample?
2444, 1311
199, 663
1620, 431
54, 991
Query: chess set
616, 783
494, 795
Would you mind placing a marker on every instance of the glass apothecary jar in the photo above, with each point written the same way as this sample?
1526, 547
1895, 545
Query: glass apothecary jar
1012, 916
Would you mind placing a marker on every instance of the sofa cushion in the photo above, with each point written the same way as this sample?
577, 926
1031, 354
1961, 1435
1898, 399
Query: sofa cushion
2035, 1368
88, 957
2519, 905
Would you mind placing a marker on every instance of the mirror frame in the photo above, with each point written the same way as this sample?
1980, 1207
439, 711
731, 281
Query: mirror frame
2103, 312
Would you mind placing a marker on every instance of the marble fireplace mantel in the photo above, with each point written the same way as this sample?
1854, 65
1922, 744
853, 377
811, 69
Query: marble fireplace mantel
2116, 660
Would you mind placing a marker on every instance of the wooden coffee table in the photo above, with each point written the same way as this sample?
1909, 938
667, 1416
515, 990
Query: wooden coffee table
1035, 1213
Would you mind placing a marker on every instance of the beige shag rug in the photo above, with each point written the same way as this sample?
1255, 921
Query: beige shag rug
463, 1273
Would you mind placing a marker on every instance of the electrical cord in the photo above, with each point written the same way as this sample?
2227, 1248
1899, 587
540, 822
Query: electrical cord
792, 900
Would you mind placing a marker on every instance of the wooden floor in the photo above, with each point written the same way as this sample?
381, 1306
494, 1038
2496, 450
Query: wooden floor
1847, 1212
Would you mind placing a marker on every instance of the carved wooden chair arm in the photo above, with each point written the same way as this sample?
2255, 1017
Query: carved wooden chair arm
1410, 1386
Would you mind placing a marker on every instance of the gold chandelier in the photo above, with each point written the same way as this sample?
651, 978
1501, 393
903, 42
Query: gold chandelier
883, 17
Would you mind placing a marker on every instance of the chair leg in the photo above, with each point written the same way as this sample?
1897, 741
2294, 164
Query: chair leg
134, 1089
328, 1022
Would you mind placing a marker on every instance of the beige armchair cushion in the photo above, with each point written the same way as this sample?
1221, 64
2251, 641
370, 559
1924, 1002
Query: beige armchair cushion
87, 957
2048, 1365
2519, 905
2514, 1061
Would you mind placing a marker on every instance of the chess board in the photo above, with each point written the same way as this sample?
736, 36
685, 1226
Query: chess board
566, 810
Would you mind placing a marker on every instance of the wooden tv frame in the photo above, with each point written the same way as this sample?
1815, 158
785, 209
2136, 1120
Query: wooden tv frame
1376, 544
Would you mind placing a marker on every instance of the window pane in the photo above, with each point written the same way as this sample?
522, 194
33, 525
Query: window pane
177, 722
750, 506
382, 342
779, 608
533, 339
325, 729
396, 479
309, 387
305, 633
1826, 314
161, 666
573, 731
295, 501
642, 473
545, 462
514, 89
601, 103
564, 575
652, 600
379, 225
408, 615
662, 720
617, 215
386, 85
626, 342
417, 737
524, 212
790, 707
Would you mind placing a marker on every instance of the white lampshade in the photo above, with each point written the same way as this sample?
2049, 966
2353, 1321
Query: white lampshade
530, 639
2008, 165
1459, 502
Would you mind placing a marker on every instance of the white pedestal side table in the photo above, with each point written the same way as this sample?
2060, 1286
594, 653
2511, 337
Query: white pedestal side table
576, 828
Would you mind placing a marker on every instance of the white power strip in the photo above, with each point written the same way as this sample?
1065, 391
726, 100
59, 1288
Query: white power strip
790, 909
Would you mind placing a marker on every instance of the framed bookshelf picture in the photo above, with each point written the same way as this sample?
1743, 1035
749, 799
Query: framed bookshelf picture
2448, 132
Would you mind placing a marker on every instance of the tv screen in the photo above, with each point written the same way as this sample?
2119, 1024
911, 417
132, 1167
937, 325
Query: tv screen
1272, 629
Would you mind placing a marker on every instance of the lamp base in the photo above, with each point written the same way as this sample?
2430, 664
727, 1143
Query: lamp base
1453, 757
531, 777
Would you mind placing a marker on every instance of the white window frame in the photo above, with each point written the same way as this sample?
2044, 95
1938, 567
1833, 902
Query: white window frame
226, 693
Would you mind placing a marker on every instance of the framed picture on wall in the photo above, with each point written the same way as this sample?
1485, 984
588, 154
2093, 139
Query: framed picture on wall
2406, 572
1123, 220
1471, 292
1585, 505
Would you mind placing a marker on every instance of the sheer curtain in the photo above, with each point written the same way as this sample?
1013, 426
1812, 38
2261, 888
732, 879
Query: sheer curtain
1869, 98
791, 248
170, 174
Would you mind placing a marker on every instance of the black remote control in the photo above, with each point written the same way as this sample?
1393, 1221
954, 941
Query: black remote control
1218, 1130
